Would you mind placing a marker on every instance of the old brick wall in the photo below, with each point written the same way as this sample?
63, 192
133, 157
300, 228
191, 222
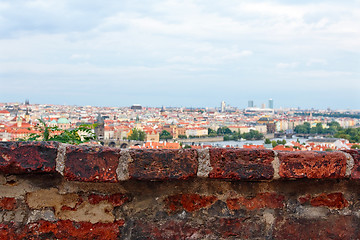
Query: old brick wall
56, 191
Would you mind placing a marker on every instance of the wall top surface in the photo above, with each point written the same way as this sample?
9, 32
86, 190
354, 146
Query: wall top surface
103, 164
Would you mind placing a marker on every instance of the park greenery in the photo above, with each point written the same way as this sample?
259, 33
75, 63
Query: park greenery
83, 133
251, 135
318, 129
332, 114
334, 129
137, 135
165, 135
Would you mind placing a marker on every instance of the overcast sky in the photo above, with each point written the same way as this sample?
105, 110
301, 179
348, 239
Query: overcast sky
181, 53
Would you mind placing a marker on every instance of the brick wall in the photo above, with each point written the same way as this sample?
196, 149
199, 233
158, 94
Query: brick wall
56, 191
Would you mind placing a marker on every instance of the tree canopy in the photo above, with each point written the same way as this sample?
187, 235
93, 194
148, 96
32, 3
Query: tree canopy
83, 133
165, 135
137, 135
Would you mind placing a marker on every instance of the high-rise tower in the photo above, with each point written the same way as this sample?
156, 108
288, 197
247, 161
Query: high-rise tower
271, 103
223, 106
250, 103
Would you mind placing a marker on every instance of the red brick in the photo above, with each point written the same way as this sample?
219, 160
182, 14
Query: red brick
261, 200
163, 164
304, 199
332, 200
239, 228
26, 157
355, 173
91, 164
170, 230
189, 202
241, 164
7, 203
62, 230
332, 227
233, 228
319, 165
116, 200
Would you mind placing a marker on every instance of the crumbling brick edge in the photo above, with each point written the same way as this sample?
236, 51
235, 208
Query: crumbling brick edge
87, 163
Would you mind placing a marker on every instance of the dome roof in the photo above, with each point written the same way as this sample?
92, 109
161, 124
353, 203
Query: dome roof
63, 121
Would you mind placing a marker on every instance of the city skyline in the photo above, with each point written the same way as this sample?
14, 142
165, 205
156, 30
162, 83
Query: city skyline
250, 104
181, 53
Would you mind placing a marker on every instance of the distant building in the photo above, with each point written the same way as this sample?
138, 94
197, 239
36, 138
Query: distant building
99, 129
223, 106
136, 107
172, 129
63, 123
331, 143
250, 103
271, 103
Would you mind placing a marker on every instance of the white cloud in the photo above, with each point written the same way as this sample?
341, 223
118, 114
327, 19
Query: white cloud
315, 61
80, 56
287, 65
240, 41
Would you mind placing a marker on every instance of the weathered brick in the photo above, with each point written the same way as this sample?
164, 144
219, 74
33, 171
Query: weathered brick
116, 200
303, 199
331, 200
223, 228
91, 164
62, 230
332, 227
7, 203
239, 228
163, 164
261, 200
170, 230
189, 202
320, 165
241, 164
355, 173
25, 157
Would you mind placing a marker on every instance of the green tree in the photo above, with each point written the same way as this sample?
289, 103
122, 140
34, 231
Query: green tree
253, 135
212, 133
223, 131
352, 134
165, 135
83, 133
267, 141
355, 146
137, 135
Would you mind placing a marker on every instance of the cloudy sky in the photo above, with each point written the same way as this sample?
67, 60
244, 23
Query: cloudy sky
181, 53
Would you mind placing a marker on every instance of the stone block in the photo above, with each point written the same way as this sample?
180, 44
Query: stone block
91, 164
320, 165
236, 164
27, 157
355, 154
163, 164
